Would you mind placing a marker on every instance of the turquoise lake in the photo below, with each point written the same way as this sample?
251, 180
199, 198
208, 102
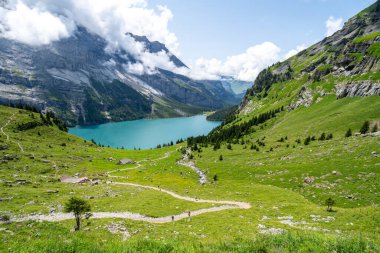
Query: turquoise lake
145, 133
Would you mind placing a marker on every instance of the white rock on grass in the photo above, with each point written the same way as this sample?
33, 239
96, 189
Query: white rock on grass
273, 231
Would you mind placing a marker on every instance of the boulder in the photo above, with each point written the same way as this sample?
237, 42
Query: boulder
74, 180
125, 161
308, 180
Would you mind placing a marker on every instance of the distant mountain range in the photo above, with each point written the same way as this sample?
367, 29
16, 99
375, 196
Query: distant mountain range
85, 84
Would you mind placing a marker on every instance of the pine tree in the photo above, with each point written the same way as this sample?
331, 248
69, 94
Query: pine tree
348, 133
322, 137
365, 127
307, 141
220, 158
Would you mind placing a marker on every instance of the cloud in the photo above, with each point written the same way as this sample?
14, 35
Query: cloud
333, 25
32, 25
295, 51
245, 66
38, 22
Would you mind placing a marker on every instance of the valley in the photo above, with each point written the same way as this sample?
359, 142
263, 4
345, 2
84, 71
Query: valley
294, 167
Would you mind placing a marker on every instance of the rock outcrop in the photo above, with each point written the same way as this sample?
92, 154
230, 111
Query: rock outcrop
362, 89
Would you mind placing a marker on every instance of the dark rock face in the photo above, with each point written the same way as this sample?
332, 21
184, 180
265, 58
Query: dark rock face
85, 84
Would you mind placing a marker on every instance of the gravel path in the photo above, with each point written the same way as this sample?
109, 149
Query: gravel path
185, 161
6, 124
225, 205
2, 131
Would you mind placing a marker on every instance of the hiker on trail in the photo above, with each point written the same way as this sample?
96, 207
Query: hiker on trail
172, 217
189, 213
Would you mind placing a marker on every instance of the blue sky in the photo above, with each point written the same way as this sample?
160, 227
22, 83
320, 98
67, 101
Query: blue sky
214, 38
221, 28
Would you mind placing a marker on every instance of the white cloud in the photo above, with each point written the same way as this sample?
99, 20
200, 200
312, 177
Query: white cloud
38, 22
333, 25
245, 66
135, 68
295, 51
32, 25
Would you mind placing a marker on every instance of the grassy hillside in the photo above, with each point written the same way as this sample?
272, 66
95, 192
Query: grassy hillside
280, 166
273, 182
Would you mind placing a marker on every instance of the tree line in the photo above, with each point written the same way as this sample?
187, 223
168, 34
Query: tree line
233, 132
47, 119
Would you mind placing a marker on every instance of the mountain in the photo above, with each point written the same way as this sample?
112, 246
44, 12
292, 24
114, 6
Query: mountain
309, 124
235, 86
344, 64
85, 84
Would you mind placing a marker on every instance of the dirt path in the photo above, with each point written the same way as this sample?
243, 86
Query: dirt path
225, 205
6, 124
2, 131
185, 161
138, 164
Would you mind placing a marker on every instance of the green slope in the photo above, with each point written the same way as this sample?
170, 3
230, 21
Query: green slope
285, 181
272, 185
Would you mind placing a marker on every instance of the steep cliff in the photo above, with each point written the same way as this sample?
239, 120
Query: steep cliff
85, 83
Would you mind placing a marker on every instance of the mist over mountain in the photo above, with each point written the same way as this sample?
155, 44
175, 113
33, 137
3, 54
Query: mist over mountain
85, 83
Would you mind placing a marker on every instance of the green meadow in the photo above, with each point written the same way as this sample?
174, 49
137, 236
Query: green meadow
285, 182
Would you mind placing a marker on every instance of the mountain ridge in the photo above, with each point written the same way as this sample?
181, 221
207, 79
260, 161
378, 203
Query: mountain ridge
69, 75
338, 61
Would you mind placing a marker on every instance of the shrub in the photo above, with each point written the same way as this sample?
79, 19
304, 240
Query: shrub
5, 218
216, 146
348, 133
307, 141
